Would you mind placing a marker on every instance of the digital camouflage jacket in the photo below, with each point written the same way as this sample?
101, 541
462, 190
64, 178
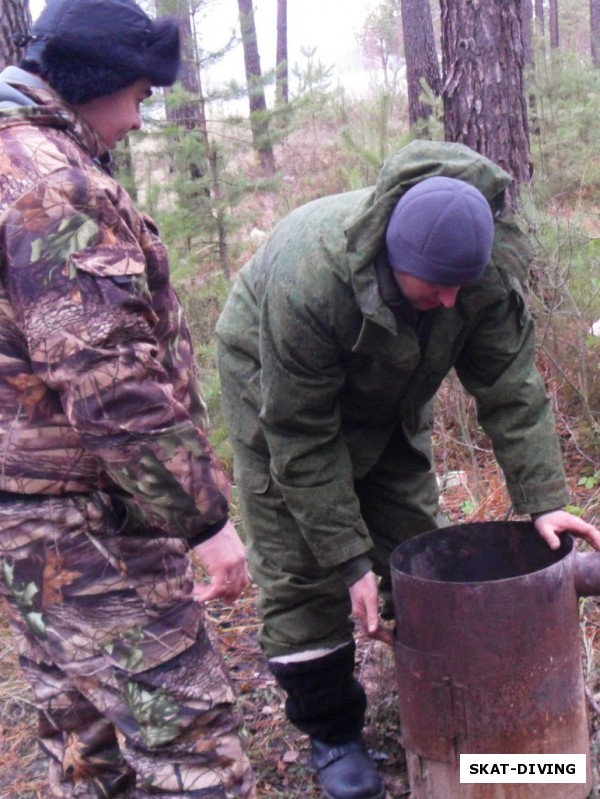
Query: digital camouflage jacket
321, 372
98, 383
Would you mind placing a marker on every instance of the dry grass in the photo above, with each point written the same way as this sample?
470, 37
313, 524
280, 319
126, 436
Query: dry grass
22, 768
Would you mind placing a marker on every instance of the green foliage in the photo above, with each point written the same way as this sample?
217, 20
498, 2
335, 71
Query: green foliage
372, 129
202, 304
589, 481
314, 80
433, 128
564, 268
564, 91
559, 211
468, 507
575, 510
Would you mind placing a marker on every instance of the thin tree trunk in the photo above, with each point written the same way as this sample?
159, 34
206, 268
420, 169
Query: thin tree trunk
15, 18
211, 154
282, 80
539, 17
595, 31
527, 32
553, 13
259, 118
484, 102
124, 168
421, 57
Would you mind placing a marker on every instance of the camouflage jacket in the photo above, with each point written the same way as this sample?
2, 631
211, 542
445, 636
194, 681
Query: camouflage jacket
327, 371
98, 383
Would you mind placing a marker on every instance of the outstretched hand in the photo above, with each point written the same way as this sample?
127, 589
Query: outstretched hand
550, 525
365, 609
224, 558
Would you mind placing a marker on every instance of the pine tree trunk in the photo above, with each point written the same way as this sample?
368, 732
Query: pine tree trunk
539, 16
421, 57
553, 13
185, 115
282, 82
527, 31
14, 18
484, 102
595, 31
259, 119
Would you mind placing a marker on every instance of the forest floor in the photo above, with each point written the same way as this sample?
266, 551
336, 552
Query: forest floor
281, 755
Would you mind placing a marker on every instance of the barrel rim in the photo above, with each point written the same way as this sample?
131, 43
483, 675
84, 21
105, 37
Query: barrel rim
560, 555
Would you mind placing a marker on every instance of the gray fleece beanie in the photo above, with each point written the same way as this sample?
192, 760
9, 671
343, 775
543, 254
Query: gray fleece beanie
441, 231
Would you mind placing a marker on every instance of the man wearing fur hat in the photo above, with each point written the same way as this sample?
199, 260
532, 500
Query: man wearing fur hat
332, 345
108, 484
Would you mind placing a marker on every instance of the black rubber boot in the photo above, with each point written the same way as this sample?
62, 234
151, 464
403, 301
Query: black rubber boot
326, 702
346, 771
323, 698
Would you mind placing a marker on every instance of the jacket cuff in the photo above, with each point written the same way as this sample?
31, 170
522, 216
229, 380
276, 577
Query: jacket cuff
208, 532
528, 498
352, 570
536, 516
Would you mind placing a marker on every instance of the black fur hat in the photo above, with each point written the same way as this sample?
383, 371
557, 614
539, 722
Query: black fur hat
91, 48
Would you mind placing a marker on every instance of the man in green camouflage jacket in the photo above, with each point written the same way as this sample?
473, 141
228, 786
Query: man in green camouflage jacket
332, 345
108, 484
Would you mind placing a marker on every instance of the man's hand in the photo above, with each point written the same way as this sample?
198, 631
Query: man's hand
561, 521
365, 608
224, 558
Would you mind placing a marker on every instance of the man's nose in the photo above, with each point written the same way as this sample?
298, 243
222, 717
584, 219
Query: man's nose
447, 296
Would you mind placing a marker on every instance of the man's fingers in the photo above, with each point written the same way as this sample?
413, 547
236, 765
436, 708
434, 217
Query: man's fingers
384, 634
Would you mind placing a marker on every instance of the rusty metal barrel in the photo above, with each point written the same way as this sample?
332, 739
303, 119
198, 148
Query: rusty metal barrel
488, 654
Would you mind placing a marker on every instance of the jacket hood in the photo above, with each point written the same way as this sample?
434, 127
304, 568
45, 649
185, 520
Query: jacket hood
365, 234
10, 95
409, 166
26, 99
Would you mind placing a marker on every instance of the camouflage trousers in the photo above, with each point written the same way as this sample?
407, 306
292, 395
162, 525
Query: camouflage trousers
133, 700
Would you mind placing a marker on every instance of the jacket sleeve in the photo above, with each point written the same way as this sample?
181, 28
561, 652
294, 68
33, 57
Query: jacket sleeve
77, 277
302, 375
497, 366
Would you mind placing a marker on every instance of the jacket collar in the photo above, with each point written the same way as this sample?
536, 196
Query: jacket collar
28, 97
